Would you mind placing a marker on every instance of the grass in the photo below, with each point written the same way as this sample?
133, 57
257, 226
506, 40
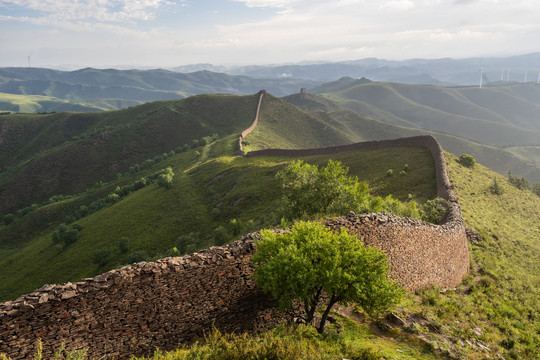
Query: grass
208, 191
494, 312
348, 339
39, 103
88, 147
464, 120
497, 305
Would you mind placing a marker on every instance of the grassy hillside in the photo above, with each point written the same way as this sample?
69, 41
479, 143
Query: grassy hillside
498, 303
471, 113
39, 103
209, 191
492, 314
521, 160
65, 153
282, 125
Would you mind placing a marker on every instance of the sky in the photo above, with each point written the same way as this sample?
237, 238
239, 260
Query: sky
168, 33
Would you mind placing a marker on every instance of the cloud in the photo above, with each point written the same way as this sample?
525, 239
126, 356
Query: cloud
398, 5
103, 11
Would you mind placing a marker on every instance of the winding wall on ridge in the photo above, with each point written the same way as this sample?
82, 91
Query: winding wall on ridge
139, 307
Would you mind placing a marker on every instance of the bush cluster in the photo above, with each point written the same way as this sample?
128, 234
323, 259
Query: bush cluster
312, 192
65, 235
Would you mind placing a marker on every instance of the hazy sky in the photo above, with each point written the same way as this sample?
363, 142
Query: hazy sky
164, 33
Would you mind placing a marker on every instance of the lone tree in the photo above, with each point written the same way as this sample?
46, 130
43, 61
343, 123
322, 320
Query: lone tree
317, 267
467, 160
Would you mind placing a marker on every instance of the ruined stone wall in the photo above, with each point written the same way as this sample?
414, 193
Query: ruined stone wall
137, 308
253, 125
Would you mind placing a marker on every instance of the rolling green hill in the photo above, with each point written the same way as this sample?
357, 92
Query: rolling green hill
39, 103
211, 188
368, 121
65, 153
521, 160
492, 115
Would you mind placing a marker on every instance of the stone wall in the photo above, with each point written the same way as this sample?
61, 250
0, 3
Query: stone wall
139, 307
253, 125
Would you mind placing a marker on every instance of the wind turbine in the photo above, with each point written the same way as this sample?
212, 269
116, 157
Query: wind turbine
481, 74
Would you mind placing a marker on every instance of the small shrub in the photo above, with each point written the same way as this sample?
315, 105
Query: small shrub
536, 189
496, 188
221, 236
520, 183
101, 256
8, 219
433, 210
467, 160
165, 179
123, 245
64, 234
137, 256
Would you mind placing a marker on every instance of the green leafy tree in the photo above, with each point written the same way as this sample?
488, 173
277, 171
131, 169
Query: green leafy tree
467, 160
311, 260
308, 191
165, 179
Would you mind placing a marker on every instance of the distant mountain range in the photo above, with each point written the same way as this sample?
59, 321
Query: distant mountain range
109, 89
445, 72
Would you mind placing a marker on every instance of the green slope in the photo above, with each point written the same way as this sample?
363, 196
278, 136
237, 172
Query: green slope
492, 314
470, 113
210, 189
65, 153
40, 103
377, 124
498, 303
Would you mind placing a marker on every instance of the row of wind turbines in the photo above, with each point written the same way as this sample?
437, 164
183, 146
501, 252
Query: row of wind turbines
507, 71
